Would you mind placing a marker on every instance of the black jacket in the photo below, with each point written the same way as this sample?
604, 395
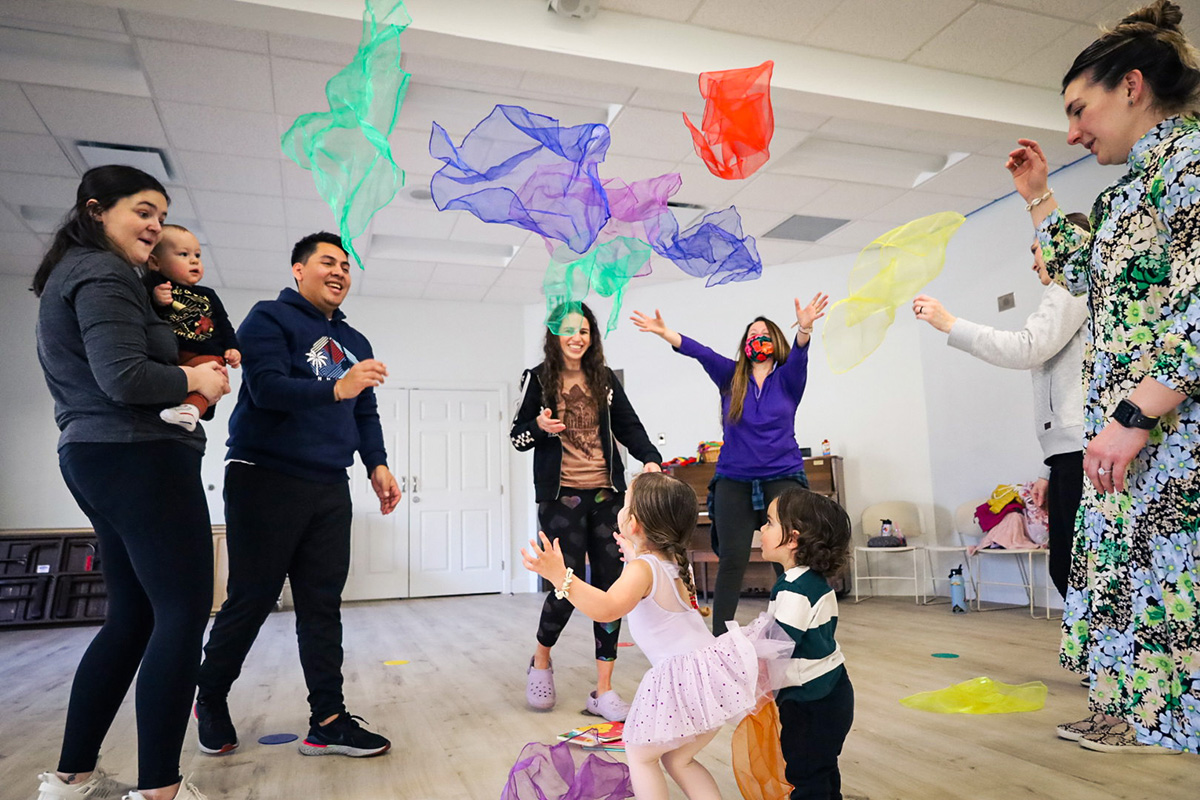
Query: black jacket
618, 421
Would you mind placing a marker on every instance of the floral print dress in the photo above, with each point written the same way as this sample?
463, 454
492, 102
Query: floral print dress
1131, 617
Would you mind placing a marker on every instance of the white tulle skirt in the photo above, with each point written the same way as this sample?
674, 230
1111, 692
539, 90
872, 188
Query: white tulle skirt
693, 693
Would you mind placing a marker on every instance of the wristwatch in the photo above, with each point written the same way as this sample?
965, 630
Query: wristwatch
1129, 415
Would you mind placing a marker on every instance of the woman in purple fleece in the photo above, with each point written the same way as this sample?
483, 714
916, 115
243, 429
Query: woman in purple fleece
760, 392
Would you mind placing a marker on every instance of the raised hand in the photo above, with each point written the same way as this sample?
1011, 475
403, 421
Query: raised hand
647, 324
546, 560
1030, 172
932, 311
806, 316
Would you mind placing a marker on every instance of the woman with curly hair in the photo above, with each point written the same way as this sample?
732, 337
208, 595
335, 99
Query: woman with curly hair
809, 536
1131, 620
572, 413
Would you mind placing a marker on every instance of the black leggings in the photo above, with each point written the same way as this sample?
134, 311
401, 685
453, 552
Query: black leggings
583, 521
147, 506
1062, 504
736, 521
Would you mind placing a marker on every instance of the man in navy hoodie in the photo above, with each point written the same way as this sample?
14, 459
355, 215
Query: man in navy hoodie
307, 403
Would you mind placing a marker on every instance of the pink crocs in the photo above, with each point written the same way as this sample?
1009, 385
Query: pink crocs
539, 688
608, 705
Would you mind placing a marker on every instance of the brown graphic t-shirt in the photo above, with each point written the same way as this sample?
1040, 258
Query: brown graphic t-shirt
583, 465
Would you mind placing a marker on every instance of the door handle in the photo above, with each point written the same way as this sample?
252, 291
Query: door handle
403, 484
415, 489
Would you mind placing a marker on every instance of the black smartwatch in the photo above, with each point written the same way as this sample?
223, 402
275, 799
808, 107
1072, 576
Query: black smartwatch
1129, 415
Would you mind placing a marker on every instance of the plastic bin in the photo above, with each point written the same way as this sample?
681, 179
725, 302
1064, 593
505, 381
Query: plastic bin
24, 599
80, 597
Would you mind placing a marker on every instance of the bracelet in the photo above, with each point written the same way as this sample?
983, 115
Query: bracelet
561, 592
806, 331
1037, 201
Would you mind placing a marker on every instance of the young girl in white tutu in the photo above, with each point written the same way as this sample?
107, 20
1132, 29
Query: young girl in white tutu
696, 682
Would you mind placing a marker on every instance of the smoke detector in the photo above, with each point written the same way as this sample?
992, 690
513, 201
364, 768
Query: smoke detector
577, 9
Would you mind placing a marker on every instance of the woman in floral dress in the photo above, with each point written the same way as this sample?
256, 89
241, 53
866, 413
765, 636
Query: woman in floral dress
1133, 625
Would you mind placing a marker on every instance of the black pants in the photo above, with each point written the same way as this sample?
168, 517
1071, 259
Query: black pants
277, 526
583, 521
146, 503
812, 735
736, 521
1062, 504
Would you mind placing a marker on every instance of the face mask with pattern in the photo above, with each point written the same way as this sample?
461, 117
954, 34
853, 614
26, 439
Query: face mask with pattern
759, 348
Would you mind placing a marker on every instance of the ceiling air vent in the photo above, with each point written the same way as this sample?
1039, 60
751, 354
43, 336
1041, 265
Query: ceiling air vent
151, 160
799, 228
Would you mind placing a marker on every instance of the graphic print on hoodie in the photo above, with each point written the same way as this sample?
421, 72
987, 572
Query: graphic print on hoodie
329, 360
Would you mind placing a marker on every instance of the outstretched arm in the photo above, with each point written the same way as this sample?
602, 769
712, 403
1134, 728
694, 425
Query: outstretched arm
656, 326
546, 560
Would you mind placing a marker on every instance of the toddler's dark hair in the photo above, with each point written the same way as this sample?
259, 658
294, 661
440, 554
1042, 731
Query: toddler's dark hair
820, 528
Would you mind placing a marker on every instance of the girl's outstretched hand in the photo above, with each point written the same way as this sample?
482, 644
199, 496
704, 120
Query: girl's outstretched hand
546, 560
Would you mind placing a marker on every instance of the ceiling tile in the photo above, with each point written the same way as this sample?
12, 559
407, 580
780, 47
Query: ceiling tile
974, 176
10, 222
372, 287
777, 251
98, 117
1046, 67
19, 115
510, 295
299, 86
897, 27
916, 204
37, 190
789, 20
234, 262
194, 31
899, 137
857, 234
630, 168
705, 189
1082, 10
267, 283
674, 102
207, 76
756, 222
61, 12
297, 182
780, 192
403, 220
240, 236
221, 130
469, 228
247, 209
677, 10
446, 291
988, 40
521, 279
465, 275
227, 173
29, 247
306, 49
312, 214
384, 269
410, 151
40, 155
532, 257
850, 200
646, 133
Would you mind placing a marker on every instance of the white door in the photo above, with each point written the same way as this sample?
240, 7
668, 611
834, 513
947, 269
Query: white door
379, 544
455, 492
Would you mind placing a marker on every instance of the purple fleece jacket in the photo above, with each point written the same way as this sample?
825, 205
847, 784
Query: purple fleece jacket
763, 442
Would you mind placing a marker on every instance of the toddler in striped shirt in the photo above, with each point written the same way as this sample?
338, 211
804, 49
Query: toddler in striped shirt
809, 535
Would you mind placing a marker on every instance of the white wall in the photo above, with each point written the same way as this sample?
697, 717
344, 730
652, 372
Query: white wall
422, 342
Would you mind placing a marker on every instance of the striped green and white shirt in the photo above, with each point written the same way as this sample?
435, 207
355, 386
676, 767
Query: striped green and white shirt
804, 606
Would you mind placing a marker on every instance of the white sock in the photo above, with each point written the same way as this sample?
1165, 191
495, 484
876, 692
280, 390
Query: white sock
184, 416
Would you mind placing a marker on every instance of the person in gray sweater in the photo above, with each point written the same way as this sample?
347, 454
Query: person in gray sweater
1050, 346
110, 365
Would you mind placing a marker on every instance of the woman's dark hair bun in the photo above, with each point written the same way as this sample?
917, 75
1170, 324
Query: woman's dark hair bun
1161, 14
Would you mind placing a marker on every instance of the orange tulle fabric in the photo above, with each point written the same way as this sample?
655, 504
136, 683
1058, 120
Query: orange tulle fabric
758, 763
735, 134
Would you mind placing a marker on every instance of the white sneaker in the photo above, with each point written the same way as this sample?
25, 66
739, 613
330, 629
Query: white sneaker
100, 786
184, 416
187, 791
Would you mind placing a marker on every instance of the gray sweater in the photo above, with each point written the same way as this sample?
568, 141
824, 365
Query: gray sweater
1050, 346
108, 359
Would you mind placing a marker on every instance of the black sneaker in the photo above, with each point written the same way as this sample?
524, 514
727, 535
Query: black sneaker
343, 737
217, 734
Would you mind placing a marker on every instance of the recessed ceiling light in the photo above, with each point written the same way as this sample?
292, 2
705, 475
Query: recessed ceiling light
151, 160
801, 228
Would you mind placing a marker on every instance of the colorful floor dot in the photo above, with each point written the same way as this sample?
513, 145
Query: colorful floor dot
944, 655
277, 738
394, 663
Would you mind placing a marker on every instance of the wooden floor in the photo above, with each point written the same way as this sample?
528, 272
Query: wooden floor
457, 717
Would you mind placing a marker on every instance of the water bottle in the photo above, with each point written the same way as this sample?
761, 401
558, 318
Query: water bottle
825, 449
958, 593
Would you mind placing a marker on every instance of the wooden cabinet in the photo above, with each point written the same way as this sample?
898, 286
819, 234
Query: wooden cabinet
825, 477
